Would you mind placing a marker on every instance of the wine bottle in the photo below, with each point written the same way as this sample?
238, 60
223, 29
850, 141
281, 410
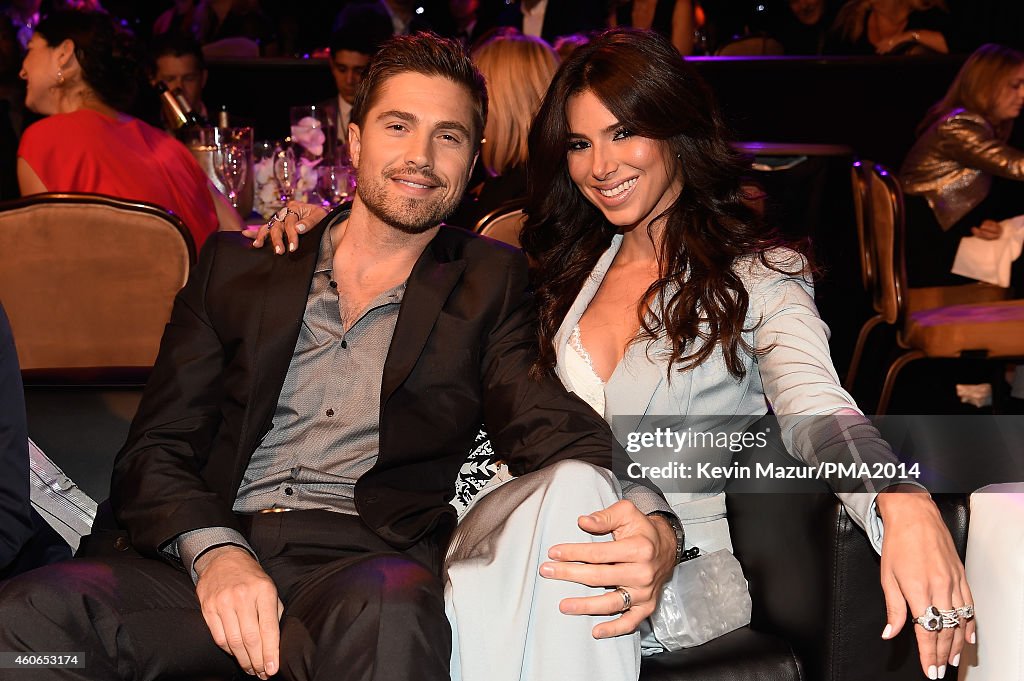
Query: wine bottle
195, 119
176, 116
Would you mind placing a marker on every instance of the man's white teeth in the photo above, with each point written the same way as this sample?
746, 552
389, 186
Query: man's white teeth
413, 184
615, 191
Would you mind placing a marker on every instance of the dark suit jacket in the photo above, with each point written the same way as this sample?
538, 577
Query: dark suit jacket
462, 348
15, 506
562, 17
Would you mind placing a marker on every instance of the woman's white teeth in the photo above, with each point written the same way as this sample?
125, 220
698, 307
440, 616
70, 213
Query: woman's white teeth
615, 191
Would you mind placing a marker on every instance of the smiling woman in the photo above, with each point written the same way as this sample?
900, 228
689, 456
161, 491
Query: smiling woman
661, 294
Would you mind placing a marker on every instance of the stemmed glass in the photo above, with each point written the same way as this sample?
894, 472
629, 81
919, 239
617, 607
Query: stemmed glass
286, 170
231, 164
335, 184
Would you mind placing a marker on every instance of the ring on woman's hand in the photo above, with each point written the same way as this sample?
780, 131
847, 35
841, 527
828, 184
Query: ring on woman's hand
966, 612
930, 619
627, 600
950, 619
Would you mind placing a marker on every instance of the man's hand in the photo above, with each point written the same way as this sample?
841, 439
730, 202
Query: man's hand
990, 230
640, 559
241, 608
290, 221
920, 568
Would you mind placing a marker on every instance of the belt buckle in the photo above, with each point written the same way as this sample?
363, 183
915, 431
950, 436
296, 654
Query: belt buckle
274, 510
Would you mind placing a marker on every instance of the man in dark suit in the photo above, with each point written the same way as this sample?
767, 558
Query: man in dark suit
298, 441
15, 506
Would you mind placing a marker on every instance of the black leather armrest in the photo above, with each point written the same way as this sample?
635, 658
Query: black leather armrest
814, 580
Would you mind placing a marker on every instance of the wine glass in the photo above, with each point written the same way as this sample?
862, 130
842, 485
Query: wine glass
286, 170
231, 164
334, 184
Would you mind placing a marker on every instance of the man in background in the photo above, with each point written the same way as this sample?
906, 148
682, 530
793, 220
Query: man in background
178, 61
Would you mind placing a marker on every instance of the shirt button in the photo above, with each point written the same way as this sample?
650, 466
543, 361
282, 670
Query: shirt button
289, 491
329, 412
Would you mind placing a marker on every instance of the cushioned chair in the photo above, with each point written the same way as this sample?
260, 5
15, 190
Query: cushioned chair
504, 223
88, 280
926, 327
874, 202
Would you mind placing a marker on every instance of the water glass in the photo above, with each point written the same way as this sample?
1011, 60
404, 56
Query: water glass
336, 184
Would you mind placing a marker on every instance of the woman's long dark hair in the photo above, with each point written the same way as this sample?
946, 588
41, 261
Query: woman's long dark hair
106, 51
642, 80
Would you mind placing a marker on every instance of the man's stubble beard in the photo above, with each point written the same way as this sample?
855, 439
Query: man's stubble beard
407, 215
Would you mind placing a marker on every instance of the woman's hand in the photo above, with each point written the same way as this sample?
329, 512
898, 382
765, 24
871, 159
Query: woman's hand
291, 221
640, 560
920, 569
933, 40
990, 230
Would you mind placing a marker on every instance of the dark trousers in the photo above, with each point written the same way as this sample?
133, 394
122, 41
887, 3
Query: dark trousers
354, 608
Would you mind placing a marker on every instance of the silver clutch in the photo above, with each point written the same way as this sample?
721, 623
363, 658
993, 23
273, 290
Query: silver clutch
705, 598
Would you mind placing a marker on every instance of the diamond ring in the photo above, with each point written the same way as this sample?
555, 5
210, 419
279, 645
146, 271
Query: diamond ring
930, 619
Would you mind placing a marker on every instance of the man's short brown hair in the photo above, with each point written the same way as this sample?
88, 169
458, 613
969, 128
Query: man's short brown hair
427, 54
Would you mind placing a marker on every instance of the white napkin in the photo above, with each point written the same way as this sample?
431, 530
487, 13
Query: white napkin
989, 260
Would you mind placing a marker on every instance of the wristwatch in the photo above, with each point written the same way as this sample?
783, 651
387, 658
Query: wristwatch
677, 528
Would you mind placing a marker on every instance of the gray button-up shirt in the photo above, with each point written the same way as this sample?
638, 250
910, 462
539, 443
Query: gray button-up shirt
326, 429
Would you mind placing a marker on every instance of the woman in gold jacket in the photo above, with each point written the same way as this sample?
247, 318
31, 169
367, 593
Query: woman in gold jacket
961, 177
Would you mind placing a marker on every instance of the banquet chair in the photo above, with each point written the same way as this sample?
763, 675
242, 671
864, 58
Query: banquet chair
504, 224
947, 330
88, 280
882, 205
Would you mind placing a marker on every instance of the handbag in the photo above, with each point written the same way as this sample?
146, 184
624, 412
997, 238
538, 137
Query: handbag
705, 598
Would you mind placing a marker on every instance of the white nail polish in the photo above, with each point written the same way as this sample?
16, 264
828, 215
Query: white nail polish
942, 672
887, 632
933, 673
956, 660
300, 228
974, 638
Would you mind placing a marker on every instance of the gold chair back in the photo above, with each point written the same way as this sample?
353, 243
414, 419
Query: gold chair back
88, 280
886, 242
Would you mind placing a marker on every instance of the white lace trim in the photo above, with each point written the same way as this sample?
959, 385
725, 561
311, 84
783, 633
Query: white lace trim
580, 374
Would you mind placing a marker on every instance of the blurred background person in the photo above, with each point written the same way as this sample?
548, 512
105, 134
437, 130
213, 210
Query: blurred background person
464, 20
179, 19
961, 177
177, 61
802, 26
518, 70
361, 31
673, 19
234, 28
82, 73
547, 19
891, 27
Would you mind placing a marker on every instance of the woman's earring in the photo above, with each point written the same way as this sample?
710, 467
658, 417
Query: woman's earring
60, 77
